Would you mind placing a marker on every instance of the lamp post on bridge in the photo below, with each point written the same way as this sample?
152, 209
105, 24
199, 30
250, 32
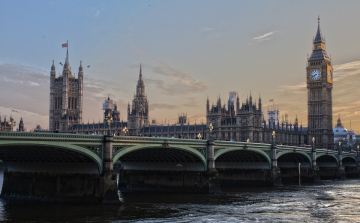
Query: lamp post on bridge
125, 131
210, 130
357, 153
109, 119
199, 136
313, 151
273, 138
340, 154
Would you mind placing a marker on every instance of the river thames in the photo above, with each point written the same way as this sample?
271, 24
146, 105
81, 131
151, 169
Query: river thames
330, 201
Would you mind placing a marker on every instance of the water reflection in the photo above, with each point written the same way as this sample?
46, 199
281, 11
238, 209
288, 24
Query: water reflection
332, 201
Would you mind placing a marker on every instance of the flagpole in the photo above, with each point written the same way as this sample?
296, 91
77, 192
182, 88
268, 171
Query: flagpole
67, 51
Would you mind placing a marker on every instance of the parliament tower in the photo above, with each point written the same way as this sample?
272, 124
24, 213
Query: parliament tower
66, 92
319, 79
138, 114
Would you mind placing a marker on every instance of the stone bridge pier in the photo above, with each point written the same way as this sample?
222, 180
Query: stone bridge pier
168, 167
60, 171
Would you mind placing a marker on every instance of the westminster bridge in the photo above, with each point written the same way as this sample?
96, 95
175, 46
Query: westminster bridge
93, 168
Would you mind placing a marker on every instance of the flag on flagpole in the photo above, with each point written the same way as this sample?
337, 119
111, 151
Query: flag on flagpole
64, 45
271, 100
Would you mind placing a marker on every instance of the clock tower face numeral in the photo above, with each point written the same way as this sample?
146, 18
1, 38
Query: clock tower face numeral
315, 75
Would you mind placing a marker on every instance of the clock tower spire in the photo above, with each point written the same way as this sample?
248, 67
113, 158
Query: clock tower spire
319, 79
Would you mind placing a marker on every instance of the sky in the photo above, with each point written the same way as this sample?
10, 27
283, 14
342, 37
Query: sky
189, 50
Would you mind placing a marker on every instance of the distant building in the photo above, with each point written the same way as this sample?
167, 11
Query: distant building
100, 128
11, 124
345, 136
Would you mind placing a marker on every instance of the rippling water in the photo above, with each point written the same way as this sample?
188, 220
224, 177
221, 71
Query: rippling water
332, 201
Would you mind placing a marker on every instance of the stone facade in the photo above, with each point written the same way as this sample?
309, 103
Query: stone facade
66, 92
319, 79
239, 122
138, 113
9, 125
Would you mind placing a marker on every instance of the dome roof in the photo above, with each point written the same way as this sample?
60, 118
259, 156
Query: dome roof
339, 130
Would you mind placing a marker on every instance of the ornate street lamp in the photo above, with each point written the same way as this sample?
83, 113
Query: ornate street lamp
125, 130
340, 146
248, 140
273, 138
211, 129
109, 119
199, 136
313, 145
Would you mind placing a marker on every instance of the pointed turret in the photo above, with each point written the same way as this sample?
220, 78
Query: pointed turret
319, 37
339, 122
207, 105
260, 102
319, 52
250, 98
21, 125
140, 88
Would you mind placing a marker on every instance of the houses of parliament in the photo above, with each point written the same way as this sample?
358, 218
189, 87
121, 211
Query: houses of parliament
233, 121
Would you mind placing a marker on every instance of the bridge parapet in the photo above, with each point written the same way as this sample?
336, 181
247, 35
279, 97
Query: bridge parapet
48, 136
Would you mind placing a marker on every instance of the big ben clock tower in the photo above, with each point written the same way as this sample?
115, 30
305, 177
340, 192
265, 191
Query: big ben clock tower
319, 79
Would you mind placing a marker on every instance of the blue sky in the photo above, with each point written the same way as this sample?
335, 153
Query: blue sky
190, 50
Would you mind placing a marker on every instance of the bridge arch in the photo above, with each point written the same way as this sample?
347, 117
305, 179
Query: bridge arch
232, 156
349, 161
179, 154
291, 159
39, 152
327, 160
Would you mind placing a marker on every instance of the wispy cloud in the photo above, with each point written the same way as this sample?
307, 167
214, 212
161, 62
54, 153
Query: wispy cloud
298, 88
346, 70
293, 98
177, 82
264, 37
156, 106
29, 90
207, 29
97, 13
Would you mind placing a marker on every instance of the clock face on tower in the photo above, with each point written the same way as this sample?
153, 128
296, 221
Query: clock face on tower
315, 75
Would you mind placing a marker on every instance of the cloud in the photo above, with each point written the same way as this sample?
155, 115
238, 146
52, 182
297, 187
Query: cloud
191, 103
177, 82
16, 94
162, 106
264, 37
97, 13
297, 89
293, 98
346, 70
207, 29
34, 84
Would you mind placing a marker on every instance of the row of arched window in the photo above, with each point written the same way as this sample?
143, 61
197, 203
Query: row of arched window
72, 103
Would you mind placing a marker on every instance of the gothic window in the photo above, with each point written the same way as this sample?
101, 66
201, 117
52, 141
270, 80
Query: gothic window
69, 103
75, 103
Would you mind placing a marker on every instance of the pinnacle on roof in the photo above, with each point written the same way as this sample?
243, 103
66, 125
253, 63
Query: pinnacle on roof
318, 37
339, 122
53, 66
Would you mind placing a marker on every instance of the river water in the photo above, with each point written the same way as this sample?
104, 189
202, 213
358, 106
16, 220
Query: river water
330, 201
